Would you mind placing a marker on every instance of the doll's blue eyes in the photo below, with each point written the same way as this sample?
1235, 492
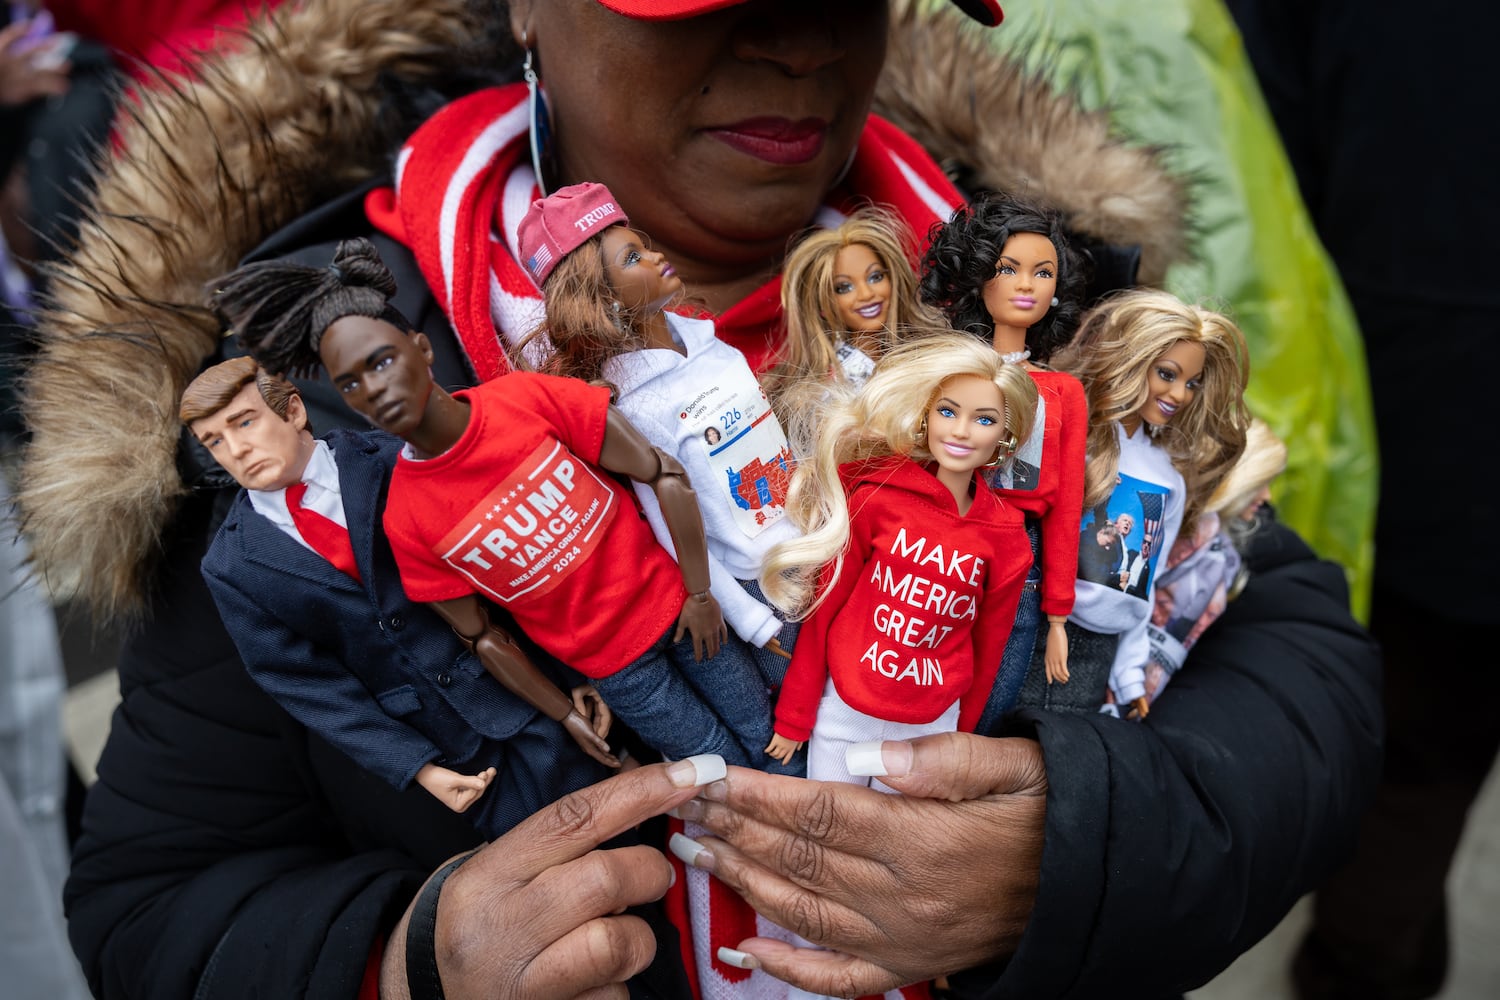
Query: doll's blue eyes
845, 287
631, 257
983, 420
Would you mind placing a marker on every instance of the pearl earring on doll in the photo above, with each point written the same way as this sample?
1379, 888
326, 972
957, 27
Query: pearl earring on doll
1054, 301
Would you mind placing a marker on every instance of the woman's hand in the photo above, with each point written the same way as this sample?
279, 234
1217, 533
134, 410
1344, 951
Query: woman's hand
539, 912
901, 888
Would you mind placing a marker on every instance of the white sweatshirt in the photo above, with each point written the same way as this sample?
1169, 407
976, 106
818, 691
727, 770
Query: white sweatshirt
1147, 477
708, 410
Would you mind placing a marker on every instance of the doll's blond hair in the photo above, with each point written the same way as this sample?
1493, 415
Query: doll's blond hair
1263, 459
886, 418
810, 307
1117, 343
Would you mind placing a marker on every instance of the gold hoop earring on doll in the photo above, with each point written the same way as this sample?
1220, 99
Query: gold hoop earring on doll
1003, 450
921, 436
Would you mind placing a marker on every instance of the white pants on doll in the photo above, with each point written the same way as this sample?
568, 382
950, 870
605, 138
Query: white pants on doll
838, 727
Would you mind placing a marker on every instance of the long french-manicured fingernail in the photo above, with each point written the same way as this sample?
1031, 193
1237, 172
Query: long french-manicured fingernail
694, 772
738, 959
691, 852
879, 759
692, 810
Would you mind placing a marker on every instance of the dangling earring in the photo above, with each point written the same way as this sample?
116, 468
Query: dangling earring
921, 438
540, 117
1054, 302
614, 315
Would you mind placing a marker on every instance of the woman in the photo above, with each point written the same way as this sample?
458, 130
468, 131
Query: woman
288, 824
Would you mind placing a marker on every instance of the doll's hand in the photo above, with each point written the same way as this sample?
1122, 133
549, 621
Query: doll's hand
835, 862
1057, 653
456, 791
1139, 709
780, 748
705, 622
773, 645
592, 743
588, 703
539, 912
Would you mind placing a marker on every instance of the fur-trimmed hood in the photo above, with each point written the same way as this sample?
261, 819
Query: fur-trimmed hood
206, 170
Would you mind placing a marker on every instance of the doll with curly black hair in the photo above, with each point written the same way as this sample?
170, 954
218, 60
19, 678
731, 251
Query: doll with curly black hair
1002, 269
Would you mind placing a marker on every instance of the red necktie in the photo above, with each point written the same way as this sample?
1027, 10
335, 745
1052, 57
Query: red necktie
327, 537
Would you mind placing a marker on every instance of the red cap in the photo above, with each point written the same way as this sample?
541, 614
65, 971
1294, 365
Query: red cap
986, 12
560, 223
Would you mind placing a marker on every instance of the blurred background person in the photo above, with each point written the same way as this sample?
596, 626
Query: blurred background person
1392, 137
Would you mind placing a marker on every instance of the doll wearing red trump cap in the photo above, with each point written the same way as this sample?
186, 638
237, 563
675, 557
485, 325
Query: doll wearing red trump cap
690, 394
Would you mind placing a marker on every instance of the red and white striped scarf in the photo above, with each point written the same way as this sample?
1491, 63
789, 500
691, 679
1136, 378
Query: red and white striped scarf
464, 181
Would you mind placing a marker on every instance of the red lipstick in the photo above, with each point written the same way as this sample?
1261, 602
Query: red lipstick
775, 140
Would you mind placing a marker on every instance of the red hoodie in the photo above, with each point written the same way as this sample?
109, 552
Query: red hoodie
919, 613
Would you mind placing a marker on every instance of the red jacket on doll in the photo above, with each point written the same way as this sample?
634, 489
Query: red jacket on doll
923, 596
1047, 482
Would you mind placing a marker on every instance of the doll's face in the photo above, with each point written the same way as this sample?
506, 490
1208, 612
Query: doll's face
965, 423
259, 448
382, 372
642, 279
1025, 280
1252, 509
861, 289
1172, 383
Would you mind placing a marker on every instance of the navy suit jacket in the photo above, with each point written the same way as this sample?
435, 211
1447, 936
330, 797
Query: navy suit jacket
381, 678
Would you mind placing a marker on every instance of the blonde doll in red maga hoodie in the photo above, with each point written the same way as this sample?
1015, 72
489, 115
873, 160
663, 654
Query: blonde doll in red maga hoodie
910, 567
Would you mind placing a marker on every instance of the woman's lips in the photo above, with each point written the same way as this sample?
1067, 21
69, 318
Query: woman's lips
775, 140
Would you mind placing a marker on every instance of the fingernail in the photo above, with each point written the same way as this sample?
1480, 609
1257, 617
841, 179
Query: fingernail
694, 772
672, 876
718, 791
691, 810
879, 759
690, 852
738, 959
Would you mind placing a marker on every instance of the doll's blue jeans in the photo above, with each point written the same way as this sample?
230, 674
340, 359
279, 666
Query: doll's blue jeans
684, 707
1022, 641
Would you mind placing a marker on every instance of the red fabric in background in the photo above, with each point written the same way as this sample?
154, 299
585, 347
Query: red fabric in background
162, 34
